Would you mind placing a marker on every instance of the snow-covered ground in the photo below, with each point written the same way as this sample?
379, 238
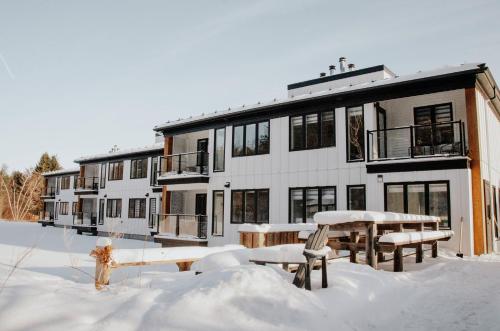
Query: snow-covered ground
52, 288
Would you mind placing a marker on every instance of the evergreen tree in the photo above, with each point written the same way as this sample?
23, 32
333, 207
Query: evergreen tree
47, 163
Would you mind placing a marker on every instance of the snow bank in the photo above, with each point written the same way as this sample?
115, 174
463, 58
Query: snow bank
403, 238
267, 228
222, 260
345, 216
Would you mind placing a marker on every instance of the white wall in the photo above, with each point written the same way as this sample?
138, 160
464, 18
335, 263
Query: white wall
66, 196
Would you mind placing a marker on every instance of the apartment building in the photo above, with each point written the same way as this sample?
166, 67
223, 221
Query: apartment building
59, 201
353, 139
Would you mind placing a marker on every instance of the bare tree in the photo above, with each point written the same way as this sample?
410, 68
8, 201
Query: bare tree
21, 191
356, 141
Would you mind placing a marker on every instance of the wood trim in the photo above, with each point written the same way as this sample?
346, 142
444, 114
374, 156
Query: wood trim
475, 166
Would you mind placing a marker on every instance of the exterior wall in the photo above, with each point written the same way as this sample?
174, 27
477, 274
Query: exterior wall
66, 196
188, 142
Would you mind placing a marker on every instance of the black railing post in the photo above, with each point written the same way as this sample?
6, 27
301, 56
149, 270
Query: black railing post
177, 225
179, 164
412, 142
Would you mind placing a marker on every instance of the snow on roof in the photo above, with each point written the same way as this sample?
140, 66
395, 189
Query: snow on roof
123, 152
446, 70
61, 172
348, 216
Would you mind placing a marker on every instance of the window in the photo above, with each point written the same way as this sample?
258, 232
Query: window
355, 133
65, 182
218, 213
64, 207
495, 210
56, 211
356, 197
115, 170
154, 171
152, 211
219, 148
101, 211
137, 208
114, 208
139, 168
304, 202
73, 208
75, 181
312, 131
102, 180
422, 198
251, 139
58, 184
250, 206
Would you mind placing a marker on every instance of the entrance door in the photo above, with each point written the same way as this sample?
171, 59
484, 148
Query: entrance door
381, 134
201, 204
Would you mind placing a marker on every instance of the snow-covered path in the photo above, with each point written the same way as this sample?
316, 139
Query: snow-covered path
53, 290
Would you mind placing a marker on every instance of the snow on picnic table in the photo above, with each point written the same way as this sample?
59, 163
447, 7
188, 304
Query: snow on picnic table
52, 289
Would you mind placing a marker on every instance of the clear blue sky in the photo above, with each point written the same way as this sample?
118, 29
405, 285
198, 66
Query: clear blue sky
77, 77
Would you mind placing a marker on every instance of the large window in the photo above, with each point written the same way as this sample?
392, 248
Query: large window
219, 148
306, 201
421, 198
250, 206
137, 208
115, 170
152, 211
73, 208
154, 171
356, 197
251, 139
114, 208
139, 168
432, 132
101, 211
311, 131
65, 182
64, 207
102, 179
218, 213
355, 133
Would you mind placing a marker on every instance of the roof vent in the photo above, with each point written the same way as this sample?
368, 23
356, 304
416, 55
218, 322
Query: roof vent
332, 70
342, 64
351, 66
322, 74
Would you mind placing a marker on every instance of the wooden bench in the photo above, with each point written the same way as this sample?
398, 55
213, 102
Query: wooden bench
396, 241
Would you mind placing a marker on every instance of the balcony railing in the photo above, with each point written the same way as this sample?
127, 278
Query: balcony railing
416, 141
49, 192
180, 225
47, 216
87, 183
193, 162
85, 219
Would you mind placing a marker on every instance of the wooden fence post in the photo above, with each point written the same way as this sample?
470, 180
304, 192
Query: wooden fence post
102, 254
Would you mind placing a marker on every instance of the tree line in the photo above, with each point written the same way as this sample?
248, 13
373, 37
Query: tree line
20, 191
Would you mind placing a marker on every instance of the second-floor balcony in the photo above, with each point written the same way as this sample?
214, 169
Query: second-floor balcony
49, 192
87, 185
445, 139
180, 226
179, 168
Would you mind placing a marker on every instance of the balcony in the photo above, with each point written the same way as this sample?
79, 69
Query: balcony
85, 222
184, 168
49, 193
181, 226
87, 185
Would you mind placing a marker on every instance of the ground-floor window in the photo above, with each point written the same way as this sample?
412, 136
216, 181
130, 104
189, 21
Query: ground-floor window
114, 208
421, 198
356, 197
152, 211
64, 206
101, 211
218, 213
73, 208
304, 202
56, 211
250, 206
137, 208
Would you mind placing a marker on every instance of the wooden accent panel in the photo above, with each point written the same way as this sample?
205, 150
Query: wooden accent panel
166, 194
475, 166
260, 239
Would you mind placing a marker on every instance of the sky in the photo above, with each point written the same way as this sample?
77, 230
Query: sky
77, 77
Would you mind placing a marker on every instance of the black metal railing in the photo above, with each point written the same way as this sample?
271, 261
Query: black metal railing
87, 183
180, 225
49, 192
414, 141
193, 162
85, 218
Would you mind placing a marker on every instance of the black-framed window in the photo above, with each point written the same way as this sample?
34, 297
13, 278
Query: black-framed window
58, 185
421, 198
152, 210
65, 182
432, 132
219, 148
304, 202
75, 181
73, 208
139, 168
115, 171
137, 208
101, 211
251, 139
102, 179
355, 133
56, 211
356, 197
250, 206
64, 208
154, 171
114, 208
313, 130
218, 213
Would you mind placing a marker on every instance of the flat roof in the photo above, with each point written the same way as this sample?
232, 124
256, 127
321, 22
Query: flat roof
61, 172
120, 154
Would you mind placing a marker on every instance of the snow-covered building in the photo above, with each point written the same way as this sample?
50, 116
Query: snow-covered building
59, 201
357, 139
117, 193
